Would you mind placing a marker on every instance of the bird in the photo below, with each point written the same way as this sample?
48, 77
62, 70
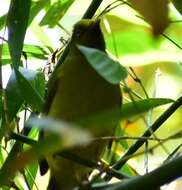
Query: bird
76, 91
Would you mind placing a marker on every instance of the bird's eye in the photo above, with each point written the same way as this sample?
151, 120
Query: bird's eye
78, 33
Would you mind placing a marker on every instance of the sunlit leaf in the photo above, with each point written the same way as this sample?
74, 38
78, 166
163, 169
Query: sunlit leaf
31, 172
32, 52
43, 37
36, 8
56, 12
130, 42
125, 37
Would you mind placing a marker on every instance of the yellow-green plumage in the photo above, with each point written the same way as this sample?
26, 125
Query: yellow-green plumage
78, 91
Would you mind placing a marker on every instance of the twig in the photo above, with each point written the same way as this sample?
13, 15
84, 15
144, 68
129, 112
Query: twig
111, 6
114, 138
91, 164
172, 41
137, 79
173, 153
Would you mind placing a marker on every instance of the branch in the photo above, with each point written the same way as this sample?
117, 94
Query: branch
158, 177
22, 139
92, 8
153, 128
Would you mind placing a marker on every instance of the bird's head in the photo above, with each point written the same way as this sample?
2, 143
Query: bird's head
87, 32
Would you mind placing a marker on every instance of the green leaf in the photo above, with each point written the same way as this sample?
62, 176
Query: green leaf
120, 132
56, 12
31, 172
128, 110
39, 83
135, 108
31, 90
32, 52
1, 106
36, 8
178, 5
32, 169
3, 21
109, 69
14, 99
17, 22
3, 128
42, 36
132, 41
126, 37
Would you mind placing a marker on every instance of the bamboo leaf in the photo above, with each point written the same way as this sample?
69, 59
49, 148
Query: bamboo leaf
109, 69
17, 22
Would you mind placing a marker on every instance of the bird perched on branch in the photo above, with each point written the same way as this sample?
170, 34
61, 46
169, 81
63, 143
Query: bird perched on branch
77, 91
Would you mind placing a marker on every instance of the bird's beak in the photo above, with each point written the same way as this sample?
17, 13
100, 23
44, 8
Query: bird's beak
97, 22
